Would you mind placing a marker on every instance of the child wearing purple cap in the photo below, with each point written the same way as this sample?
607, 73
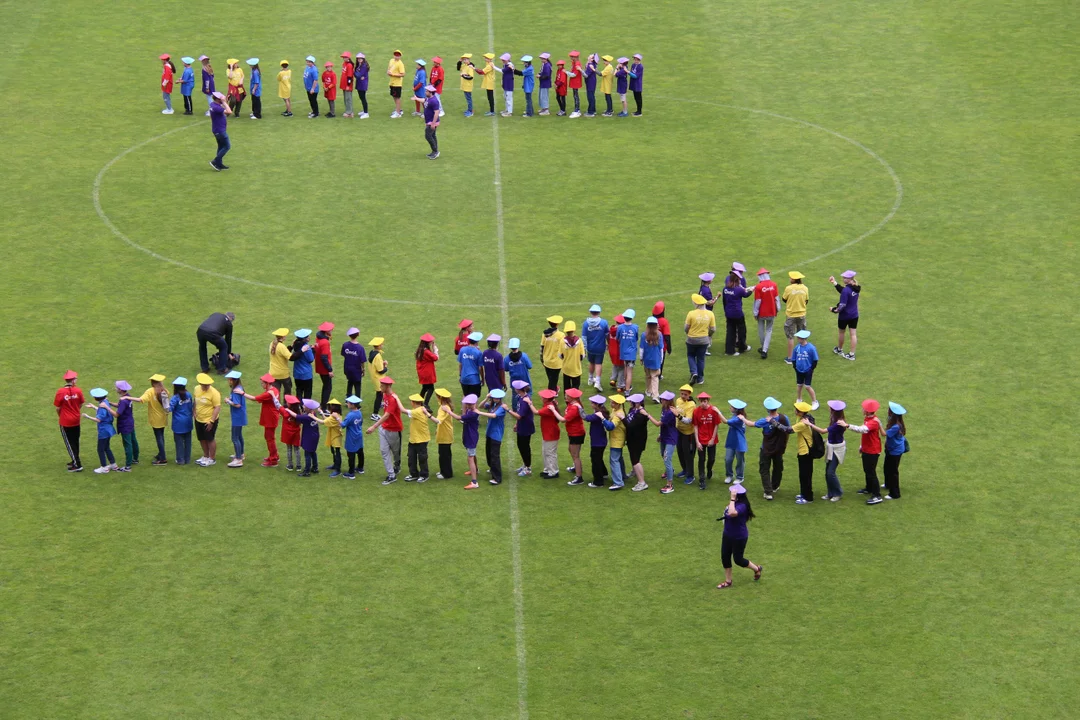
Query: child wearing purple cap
733, 293
847, 312
733, 543
507, 72
523, 411
835, 449
669, 438
470, 435
590, 73
494, 371
125, 425
637, 76
354, 358
309, 435
545, 83
622, 81
598, 430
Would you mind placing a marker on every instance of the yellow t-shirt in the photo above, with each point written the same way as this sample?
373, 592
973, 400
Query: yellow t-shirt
796, 295
685, 409
488, 83
572, 357
700, 322
236, 77
279, 361
376, 369
617, 437
284, 83
396, 66
154, 410
606, 76
333, 431
467, 78
419, 430
551, 345
444, 433
804, 434
205, 402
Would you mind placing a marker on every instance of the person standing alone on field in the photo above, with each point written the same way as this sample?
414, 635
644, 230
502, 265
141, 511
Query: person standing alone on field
847, 312
68, 403
796, 296
431, 121
766, 308
733, 545
217, 112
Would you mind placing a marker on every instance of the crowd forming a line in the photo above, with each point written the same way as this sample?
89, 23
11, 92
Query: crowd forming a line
689, 427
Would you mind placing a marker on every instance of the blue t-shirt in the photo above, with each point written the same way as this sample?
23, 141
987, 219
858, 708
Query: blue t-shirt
238, 415
183, 414
894, 441
736, 434
518, 369
595, 332
496, 426
627, 337
353, 426
105, 428
187, 81
652, 356
805, 356
470, 358
302, 365
256, 83
470, 428
311, 79
420, 78
493, 363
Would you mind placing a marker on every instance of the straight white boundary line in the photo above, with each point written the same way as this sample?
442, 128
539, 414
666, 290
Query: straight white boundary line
515, 524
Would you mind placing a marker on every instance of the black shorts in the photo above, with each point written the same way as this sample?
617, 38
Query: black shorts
853, 323
577, 439
395, 91
203, 434
804, 378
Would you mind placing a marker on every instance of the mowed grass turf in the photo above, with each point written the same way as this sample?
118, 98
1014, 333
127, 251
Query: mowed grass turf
184, 591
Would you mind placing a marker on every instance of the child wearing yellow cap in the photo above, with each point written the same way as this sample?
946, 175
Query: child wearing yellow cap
332, 423
551, 343
156, 399
487, 82
607, 76
377, 370
284, 87
419, 437
444, 434
572, 354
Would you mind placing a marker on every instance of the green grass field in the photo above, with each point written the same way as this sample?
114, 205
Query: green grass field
775, 133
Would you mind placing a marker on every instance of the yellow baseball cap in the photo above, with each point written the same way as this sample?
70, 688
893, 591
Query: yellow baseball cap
442, 392
795, 275
157, 377
232, 61
281, 332
334, 402
204, 379
467, 56
687, 388
698, 299
556, 319
283, 62
376, 341
803, 407
606, 58
417, 397
489, 56
570, 326
617, 399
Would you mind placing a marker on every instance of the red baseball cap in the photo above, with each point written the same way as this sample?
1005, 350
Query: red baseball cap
427, 337
870, 405
466, 322
763, 271
436, 59
70, 375
704, 396
620, 319
291, 399
386, 380
573, 393
268, 378
547, 394
326, 326
574, 53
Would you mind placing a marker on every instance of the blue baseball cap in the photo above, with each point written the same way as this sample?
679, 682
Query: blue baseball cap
497, 394
233, 375
180, 381
476, 336
897, 408
353, 399
99, 393
736, 403
514, 344
594, 309
772, 403
303, 333
802, 334
629, 314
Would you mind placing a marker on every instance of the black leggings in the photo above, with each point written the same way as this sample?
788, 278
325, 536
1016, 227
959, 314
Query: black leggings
363, 98
352, 387
571, 381
493, 453
491, 100
892, 475
256, 106
446, 460
426, 391
706, 452
378, 403
524, 443
303, 388
188, 109
735, 341
356, 461
327, 387
806, 477
561, 99
729, 548
71, 442
869, 466
685, 448
335, 458
599, 469
553, 377
637, 101
313, 100
284, 387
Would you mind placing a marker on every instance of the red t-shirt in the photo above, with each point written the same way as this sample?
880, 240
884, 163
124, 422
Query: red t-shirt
268, 415
613, 346
167, 78
575, 425
437, 76
70, 401
665, 330
348, 73
706, 420
329, 83
290, 429
393, 409
560, 82
322, 347
549, 426
425, 368
766, 292
575, 82
459, 342
871, 441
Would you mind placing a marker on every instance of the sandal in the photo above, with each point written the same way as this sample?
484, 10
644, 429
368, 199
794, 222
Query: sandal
757, 573
725, 584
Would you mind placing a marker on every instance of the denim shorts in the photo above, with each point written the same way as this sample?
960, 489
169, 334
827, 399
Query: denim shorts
470, 452
596, 358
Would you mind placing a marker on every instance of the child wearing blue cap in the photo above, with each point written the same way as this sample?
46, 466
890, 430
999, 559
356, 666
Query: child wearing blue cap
182, 408
595, 331
103, 416
471, 362
303, 359
237, 402
804, 358
187, 84
627, 335
735, 443
528, 82
495, 411
494, 370
518, 366
896, 445
353, 427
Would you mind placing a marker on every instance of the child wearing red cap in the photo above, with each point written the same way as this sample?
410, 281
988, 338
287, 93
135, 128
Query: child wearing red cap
268, 417
427, 354
348, 77
560, 86
438, 75
167, 72
665, 330
329, 83
618, 368
68, 402
870, 447
550, 433
290, 432
707, 421
575, 75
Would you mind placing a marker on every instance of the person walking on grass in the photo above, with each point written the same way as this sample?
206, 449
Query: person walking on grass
68, 402
805, 360
363, 76
444, 434
187, 85
551, 343
125, 424
835, 450
796, 296
707, 421
896, 445
572, 354
699, 327
467, 73
652, 357
523, 411
329, 86
735, 536
686, 442
574, 419
419, 437
733, 293
628, 336
284, 87
207, 410
597, 440
269, 416
465, 328
471, 362
182, 408
348, 80
766, 308
637, 78
353, 427
669, 439
389, 426
595, 332
426, 355
256, 89
103, 416
870, 448
167, 72
218, 127
847, 312
311, 85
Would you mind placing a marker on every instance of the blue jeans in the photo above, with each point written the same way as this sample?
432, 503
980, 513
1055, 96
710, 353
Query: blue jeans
159, 437
591, 95
832, 482
105, 454
238, 440
311, 461
695, 357
168, 100
468, 102
223, 146
615, 462
544, 102
577, 101
183, 448
739, 457
528, 104
607, 99
666, 452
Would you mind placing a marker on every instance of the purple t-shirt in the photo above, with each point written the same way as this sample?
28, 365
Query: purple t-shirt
635, 82
431, 108
706, 292
493, 363
363, 71
355, 357
527, 424
125, 417
217, 118
309, 432
733, 298
849, 302
470, 429
597, 431
735, 527
836, 434
669, 435
508, 78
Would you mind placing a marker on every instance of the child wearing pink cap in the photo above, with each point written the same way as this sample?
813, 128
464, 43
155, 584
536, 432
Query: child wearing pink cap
622, 82
545, 83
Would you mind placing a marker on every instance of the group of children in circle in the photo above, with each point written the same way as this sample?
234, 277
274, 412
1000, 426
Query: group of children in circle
623, 76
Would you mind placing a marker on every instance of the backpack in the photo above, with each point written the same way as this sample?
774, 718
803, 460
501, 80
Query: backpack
817, 443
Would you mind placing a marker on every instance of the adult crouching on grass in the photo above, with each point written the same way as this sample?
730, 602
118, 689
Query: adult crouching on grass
216, 330
733, 544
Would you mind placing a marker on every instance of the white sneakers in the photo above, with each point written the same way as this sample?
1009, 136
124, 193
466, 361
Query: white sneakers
236, 463
575, 114
206, 462
363, 116
167, 111
102, 470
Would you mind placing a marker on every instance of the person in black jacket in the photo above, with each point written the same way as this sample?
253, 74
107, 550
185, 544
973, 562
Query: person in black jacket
217, 330
775, 428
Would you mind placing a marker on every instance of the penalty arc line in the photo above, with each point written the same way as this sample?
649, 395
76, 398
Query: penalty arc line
515, 524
